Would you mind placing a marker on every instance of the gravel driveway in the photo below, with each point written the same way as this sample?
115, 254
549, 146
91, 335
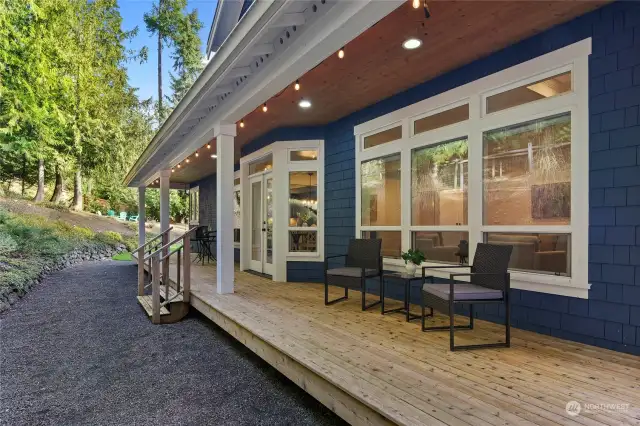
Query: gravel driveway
79, 350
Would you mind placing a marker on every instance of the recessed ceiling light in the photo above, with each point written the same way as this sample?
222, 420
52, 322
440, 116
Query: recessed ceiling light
305, 103
412, 43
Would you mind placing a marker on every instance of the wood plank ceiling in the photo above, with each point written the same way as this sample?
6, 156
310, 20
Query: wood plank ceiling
376, 66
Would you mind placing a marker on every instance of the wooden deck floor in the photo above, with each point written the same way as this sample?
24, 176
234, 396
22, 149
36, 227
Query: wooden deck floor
345, 357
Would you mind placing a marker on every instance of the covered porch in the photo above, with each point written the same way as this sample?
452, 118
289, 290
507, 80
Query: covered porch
375, 369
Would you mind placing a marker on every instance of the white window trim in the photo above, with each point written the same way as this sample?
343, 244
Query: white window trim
573, 57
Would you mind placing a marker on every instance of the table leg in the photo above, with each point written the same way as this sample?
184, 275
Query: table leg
407, 294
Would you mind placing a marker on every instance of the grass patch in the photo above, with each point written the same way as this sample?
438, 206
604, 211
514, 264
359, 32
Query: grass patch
28, 242
124, 256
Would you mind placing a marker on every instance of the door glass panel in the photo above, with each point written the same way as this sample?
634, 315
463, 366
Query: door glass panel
269, 219
256, 221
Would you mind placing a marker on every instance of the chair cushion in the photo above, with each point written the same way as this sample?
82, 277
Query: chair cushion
351, 272
462, 291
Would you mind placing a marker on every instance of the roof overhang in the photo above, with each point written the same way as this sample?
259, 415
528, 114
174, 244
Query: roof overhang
274, 43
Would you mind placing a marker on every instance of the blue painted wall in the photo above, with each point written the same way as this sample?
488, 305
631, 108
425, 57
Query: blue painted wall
610, 318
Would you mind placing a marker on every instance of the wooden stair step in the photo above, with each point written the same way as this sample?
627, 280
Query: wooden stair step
147, 303
172, 294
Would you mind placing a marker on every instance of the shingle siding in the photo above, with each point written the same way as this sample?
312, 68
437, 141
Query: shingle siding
611, 316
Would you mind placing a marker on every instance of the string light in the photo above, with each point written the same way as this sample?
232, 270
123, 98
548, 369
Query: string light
297, 85
197, 154
242, 123
341, 53
179, 166
187, 160
264, 107
208, 146
214, 156
173, 170
415, 4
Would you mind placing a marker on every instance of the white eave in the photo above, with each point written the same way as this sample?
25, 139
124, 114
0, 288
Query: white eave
276, 42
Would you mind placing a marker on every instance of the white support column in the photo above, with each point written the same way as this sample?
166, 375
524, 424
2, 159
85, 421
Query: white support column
141, 216
164, 199
225, 136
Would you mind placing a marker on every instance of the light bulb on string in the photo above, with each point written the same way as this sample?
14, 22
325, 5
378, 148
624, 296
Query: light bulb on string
208, 146
264, 107
197, 154
415, 4
341, 53
242, 123
187, 160
297, 85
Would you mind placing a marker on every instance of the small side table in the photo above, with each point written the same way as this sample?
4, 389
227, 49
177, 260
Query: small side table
407, 280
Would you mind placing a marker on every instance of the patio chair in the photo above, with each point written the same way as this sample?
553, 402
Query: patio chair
133, 218
123, 216
111, 213
362, 261
489, 282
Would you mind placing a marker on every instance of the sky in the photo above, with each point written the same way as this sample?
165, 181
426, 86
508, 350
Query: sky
144, 76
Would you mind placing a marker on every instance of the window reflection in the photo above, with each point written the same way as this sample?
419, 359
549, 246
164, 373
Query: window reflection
380, 183
527, 173
439, 176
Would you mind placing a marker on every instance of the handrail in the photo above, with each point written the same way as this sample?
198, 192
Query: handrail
170, 253
154, 238
170, 243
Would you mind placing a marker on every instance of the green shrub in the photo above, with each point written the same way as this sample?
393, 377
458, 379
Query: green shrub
7, 243
110, 238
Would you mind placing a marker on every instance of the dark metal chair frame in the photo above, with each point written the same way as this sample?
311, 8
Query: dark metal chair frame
363, 254
494, 280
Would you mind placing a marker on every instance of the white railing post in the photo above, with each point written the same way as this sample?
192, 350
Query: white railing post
165, 262
186, 267
155, 290
141, 271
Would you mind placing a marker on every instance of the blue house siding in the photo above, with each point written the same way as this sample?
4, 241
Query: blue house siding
610, 318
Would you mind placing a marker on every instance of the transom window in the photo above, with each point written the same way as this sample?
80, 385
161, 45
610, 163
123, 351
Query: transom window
461, 175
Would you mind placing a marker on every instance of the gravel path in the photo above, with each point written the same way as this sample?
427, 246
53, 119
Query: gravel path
78, 350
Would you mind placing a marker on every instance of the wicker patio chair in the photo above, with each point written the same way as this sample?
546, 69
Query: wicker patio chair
489, 282
363, 261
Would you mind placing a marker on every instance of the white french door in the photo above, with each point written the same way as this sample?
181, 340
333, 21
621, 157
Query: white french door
261, 213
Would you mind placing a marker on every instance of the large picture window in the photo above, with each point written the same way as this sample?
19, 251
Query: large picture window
488, 162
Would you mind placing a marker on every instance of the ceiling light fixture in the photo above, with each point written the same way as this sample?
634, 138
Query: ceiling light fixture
304, 103
214, 156
412, 43
341, 53
415, 4
242, 123
297, 85
264, 107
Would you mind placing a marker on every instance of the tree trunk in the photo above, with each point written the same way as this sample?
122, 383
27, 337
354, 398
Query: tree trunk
40, 194
77, 191
57, 190
24, 171
160, 114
